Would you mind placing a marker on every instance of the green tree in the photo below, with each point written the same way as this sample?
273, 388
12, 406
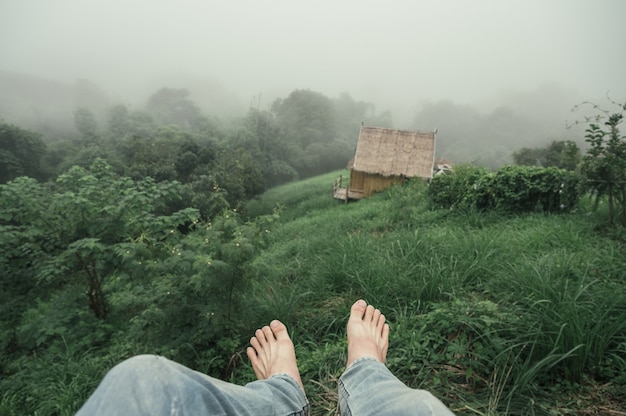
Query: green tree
305, 117
562, 154
80, 230
21, 152
307, 122
173, 106
527, 156
351, 114
118, 122
261, 135
141, 123
239, 175
86, 124
604, 165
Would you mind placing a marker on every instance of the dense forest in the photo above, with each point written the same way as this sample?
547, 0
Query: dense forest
167, 231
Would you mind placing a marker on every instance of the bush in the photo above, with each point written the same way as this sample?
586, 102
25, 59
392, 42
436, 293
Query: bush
457, 189
511, 189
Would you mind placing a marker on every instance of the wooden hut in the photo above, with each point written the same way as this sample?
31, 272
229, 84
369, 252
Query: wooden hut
386, 157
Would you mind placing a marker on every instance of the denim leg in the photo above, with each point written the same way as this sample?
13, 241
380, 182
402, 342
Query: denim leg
153, 385
367, 387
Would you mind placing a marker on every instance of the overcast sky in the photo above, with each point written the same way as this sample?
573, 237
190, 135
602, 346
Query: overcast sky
380, 51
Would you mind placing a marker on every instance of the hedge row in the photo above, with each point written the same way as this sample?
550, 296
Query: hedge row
511, 189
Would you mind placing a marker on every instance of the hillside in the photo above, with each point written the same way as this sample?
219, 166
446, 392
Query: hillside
494, 314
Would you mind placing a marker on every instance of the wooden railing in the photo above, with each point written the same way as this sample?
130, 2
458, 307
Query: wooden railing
339, 192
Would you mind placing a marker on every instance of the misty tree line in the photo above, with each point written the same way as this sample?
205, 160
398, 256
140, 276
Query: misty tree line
170, 139
224, 162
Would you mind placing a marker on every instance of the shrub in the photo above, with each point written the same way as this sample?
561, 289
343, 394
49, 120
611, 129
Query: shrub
511, 189
457, 189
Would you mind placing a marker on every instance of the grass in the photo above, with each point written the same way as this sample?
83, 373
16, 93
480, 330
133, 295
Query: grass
486, 310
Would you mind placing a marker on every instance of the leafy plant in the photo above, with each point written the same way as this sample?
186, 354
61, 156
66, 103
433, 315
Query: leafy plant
77, 229
21, 152
604, 165
510, 189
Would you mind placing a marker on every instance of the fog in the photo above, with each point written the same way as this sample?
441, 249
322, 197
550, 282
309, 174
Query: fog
395, 54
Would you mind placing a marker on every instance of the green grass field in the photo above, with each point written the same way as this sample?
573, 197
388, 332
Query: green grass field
494, 314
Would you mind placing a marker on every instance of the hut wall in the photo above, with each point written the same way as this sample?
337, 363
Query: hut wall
370, 183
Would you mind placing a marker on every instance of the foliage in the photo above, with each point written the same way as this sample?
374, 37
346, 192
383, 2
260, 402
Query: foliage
487, 311
172, 106
604, 165
563, 154
86, 124
477, 301
197, 287
21, 153
510, 189
155, 251
170, 139
122, 123
73, 231
306, 117
457, 189
575, 312
240, 175
145, 271
318, 134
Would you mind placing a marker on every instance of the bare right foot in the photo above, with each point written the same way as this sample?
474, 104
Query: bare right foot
368, 334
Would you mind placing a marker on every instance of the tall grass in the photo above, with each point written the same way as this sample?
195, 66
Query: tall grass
567, 311
485, 309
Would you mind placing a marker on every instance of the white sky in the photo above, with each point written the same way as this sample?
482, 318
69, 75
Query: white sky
387, 51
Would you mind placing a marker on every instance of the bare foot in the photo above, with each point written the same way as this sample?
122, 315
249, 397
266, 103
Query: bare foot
368, 334
272, 352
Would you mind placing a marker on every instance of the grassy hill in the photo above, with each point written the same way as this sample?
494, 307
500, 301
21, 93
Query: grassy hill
494, 314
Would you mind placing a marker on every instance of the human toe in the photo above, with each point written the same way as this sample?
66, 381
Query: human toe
358, 309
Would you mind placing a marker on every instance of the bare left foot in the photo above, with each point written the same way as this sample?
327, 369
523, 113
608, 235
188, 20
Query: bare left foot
272, 352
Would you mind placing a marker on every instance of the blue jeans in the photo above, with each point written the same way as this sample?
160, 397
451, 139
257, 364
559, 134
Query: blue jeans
367, 387
152, 385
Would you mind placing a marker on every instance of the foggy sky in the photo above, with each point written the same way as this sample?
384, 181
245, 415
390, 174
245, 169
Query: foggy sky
392, 53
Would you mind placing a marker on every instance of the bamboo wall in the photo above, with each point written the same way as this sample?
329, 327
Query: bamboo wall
370, 183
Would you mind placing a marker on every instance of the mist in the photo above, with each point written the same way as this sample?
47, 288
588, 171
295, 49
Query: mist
535, 59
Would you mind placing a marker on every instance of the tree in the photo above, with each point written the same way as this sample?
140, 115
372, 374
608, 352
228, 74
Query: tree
118, 122
173, 106
305, 117
80, 232
239, 175
261, 135
86, 125
604, 165
21, 152
563, 154
527, 156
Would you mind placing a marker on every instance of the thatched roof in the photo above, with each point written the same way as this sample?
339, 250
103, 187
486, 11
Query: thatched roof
391, 152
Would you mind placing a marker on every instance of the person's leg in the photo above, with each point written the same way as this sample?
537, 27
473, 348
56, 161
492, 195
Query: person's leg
367, 387
152, 385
